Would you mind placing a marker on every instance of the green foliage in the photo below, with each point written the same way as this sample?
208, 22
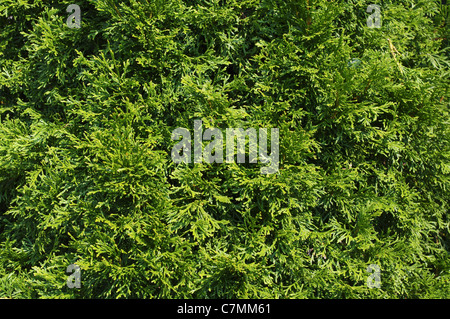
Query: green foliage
86, 175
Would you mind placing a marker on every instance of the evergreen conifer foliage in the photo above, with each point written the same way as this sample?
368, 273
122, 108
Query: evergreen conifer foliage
357, 209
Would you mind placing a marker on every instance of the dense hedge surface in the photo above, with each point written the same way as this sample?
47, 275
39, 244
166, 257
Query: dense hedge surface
86, 174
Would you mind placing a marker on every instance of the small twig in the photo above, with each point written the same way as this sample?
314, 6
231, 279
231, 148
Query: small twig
365, 90
308, 15
394, 51
114, 5
118, 12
